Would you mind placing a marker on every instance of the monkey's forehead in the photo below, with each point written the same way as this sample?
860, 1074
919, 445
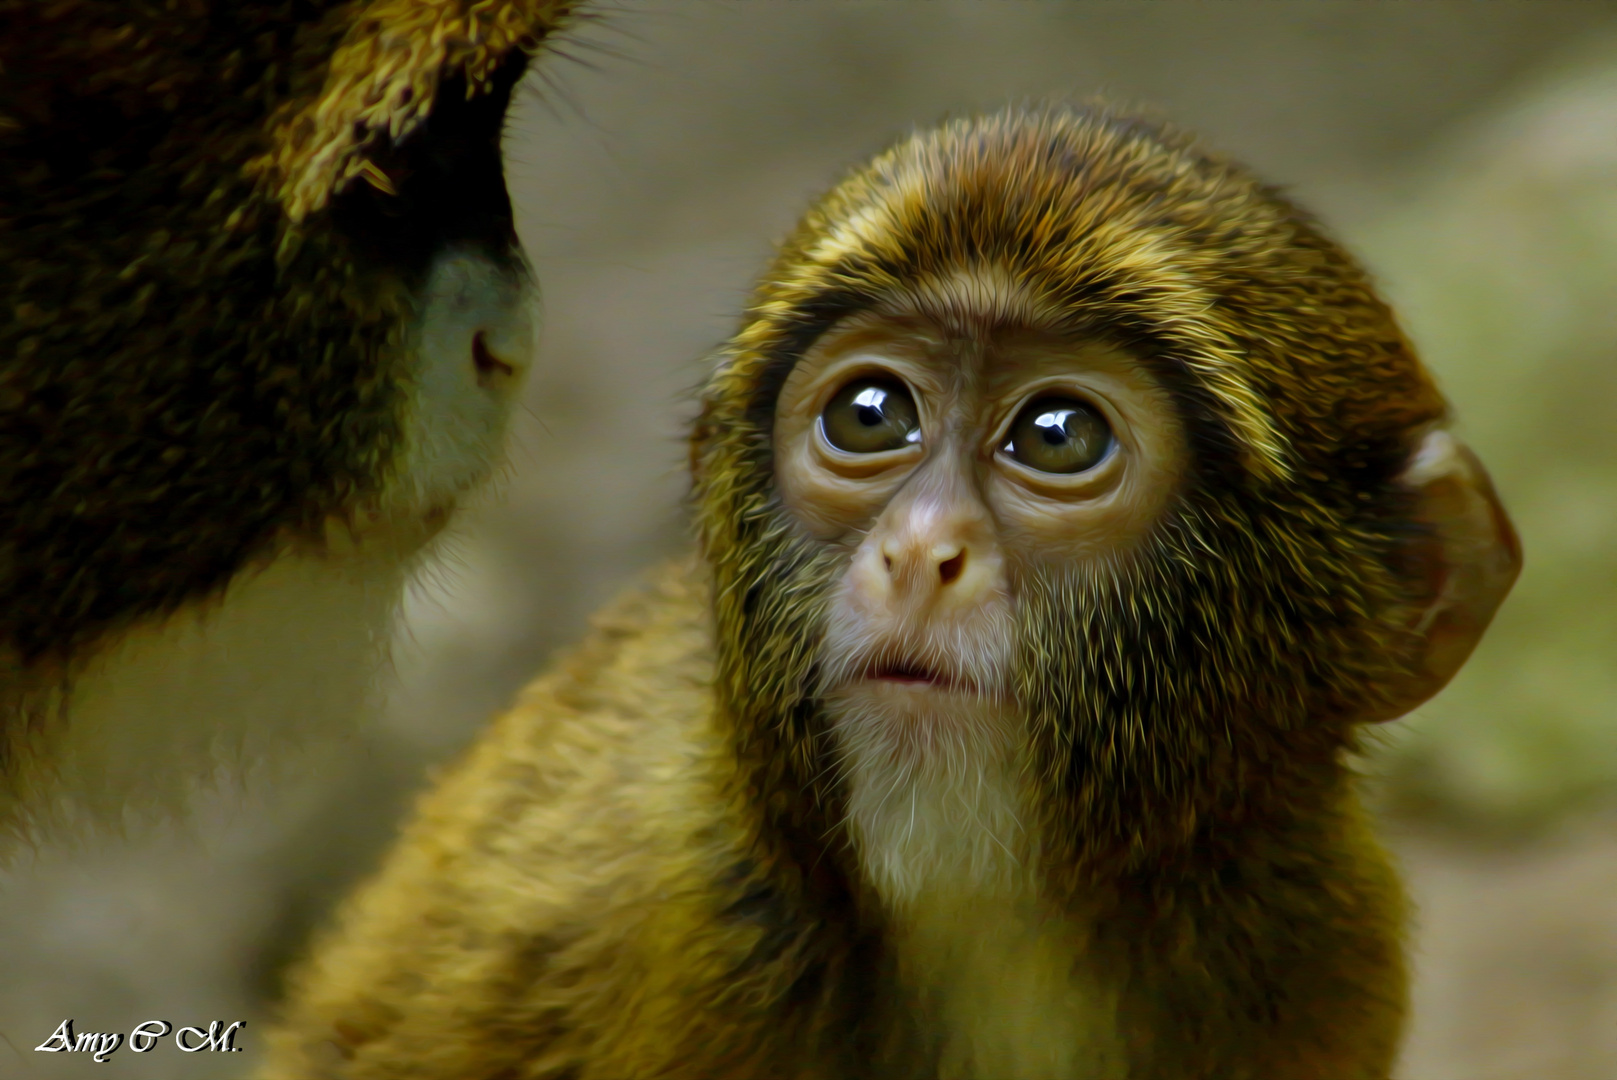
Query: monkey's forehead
1100, 222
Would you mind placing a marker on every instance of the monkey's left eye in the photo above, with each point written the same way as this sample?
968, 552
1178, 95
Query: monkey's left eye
869, 416
1059, 435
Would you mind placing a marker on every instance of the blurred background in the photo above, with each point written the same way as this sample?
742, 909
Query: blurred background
1468, 151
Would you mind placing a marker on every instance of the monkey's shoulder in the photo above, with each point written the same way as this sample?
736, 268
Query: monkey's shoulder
551, 877
600, 754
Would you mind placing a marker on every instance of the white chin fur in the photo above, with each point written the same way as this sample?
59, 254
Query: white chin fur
934, 800
172, 704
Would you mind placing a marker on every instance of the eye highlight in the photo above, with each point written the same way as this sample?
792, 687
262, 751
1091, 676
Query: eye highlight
1059, 435
870, 416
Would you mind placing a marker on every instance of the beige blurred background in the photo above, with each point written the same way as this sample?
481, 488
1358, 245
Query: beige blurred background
1467, 150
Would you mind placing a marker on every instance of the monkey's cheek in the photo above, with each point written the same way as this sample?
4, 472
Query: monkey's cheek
867, 590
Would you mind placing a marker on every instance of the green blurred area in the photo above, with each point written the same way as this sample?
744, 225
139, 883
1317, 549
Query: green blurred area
1503, 263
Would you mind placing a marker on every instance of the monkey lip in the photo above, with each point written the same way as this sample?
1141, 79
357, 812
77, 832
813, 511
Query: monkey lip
909, 673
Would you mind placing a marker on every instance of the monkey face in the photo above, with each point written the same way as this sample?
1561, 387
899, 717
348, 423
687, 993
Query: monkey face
1058, 451
952, 458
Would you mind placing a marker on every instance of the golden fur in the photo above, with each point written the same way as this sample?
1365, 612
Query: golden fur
650, 867
580, 898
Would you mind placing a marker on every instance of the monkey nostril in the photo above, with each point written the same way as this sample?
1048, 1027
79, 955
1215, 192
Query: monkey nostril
950, 569
491, 370
887, 561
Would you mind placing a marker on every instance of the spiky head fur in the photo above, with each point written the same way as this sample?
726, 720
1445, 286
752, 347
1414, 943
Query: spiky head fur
1209, 677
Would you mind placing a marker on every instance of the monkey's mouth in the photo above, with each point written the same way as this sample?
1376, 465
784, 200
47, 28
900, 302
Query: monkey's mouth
911, 673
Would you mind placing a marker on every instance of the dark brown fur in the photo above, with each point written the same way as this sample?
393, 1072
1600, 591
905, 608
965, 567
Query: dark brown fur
201, 304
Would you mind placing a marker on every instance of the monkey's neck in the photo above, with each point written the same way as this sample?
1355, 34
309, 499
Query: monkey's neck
1011, 989
1007, 982
155, 717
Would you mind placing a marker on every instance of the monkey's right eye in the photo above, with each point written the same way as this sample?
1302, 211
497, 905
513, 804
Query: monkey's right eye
869, 416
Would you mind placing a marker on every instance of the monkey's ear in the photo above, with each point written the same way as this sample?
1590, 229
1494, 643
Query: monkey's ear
1465, 565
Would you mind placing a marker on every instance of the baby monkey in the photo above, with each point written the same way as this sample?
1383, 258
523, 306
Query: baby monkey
1066, 503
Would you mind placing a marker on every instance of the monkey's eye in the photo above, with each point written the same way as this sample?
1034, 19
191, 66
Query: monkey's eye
869, 416
1059, 435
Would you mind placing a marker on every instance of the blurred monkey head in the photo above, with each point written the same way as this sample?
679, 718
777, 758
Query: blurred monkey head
1065, 490
265, 314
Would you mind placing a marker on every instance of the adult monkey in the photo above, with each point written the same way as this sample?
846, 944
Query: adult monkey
264, 316
1066, 502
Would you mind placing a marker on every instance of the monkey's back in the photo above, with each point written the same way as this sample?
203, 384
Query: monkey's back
572, 898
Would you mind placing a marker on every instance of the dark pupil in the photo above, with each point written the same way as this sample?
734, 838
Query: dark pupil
869, 417
1060, 435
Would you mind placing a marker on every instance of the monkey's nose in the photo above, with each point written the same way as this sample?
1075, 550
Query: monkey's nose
473, 343
493, 372
932, 548
936, 565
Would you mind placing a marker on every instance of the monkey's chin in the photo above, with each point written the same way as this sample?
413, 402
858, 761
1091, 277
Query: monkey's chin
932, 791
934, 722
369, 533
